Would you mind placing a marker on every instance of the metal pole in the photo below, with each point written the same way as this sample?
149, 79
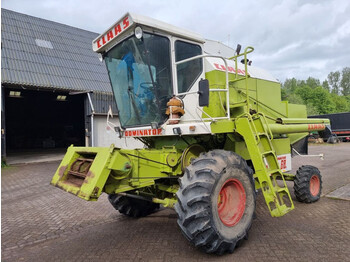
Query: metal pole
226, 76
92, 120
295, 128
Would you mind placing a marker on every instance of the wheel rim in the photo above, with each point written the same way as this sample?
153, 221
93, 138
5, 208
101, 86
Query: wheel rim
231, 202
314, 185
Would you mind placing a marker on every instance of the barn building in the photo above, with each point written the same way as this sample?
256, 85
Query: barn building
55, 91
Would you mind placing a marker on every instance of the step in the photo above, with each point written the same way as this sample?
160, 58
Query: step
277, 212
266, 175
262, 134
282, 189
268, 152
273, 171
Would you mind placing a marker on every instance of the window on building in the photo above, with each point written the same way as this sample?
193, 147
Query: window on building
43, 43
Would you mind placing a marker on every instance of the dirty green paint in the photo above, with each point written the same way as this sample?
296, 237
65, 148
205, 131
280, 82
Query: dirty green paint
260, 128
116, 170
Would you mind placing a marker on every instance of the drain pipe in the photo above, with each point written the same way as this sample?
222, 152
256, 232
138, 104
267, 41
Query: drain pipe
92, 120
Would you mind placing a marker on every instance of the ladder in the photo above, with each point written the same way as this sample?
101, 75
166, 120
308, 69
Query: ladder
258, 138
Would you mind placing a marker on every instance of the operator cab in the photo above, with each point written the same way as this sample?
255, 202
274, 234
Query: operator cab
140, 54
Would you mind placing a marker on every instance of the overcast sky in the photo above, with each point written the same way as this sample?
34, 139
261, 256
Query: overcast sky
292, 38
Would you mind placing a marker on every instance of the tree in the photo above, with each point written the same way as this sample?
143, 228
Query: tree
321, 99
334, 81
342, 104
345, 81
295, 99
311, 110
333, 96
305, 92
317, 100
325, 85
284, 95
290, 85
313, 82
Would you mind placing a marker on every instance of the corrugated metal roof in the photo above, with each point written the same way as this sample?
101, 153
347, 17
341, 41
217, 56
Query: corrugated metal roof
101, 102
70, 64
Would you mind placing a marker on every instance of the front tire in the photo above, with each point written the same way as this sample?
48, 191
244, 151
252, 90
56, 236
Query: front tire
132, 207
308, 184
216, 201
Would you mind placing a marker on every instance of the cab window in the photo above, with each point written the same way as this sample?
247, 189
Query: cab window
187, 73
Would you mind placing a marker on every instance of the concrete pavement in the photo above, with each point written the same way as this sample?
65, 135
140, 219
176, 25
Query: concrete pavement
44, 223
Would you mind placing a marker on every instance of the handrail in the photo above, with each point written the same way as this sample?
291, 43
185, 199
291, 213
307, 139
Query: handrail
247, 50
228, 116
251, 49
266, 125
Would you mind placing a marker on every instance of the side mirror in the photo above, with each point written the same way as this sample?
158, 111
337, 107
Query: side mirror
203, 92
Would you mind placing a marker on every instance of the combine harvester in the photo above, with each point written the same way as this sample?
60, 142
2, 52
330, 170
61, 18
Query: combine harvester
214, 128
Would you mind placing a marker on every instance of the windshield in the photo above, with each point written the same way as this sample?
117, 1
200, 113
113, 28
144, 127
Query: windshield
139, 71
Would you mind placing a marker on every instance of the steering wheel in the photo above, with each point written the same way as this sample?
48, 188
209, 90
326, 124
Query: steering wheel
146, 85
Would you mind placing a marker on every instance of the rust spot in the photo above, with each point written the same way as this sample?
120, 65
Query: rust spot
67, 190
79, 172
61, 171
81, 165
88, 177
94, 193
73, 181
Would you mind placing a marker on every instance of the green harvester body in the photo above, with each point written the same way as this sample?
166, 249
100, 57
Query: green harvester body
245, 115
258, 137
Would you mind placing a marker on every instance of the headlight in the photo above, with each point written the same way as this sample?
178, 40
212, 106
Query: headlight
138, 32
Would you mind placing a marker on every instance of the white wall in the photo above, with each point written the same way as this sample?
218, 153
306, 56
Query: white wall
104, 137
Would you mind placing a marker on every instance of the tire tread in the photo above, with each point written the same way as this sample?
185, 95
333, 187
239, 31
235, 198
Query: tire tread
132, 207
302, 184
193, 209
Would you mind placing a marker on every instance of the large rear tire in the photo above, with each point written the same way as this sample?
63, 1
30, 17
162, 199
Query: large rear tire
132, 207
308, 184
216, 201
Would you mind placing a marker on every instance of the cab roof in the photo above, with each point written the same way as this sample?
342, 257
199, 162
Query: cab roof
130, 21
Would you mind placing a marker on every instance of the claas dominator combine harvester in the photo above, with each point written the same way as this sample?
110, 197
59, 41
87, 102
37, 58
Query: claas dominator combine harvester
214, 128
